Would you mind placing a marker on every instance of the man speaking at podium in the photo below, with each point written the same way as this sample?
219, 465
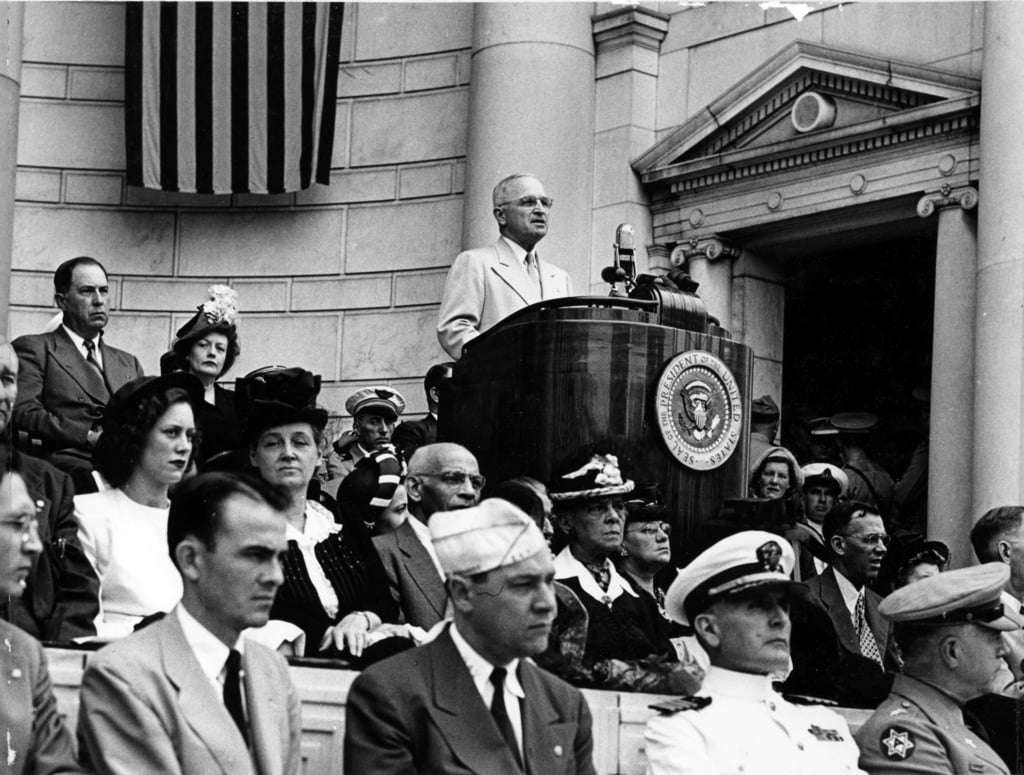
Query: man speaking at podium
488, 284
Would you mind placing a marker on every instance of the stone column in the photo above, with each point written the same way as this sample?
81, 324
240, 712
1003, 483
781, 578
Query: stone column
627, 42
758, 315
999, 329
531, 109
12, 14
710, 263
951, 431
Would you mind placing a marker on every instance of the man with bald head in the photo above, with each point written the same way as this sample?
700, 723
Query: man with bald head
441, 477
488, 284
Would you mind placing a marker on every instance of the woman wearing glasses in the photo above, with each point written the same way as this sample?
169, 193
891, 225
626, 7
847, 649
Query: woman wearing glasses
334, 584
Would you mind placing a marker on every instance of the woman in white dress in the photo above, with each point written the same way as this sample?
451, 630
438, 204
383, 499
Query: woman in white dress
148, 441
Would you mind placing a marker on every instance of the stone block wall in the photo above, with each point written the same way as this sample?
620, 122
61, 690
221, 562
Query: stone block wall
342, 279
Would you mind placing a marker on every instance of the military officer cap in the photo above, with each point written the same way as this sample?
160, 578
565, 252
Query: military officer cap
385, 400
822, 426
744, 561
764, 409
963, 596
826, 475
854, 422
481, 538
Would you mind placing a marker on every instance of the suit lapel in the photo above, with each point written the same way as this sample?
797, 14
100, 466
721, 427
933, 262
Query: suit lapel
263, 704
420, 568
547, 739
836, 607
67, 356
509, 269
879, 626
200, 706
114, 367
462, 718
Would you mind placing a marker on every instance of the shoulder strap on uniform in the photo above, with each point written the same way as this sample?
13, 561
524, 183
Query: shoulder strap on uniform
677, 704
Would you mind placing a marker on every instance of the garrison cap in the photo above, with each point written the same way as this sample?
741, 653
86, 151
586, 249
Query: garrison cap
764, 409
386, 400
854, 422
826, 475
963, 596
481, 538
743, 561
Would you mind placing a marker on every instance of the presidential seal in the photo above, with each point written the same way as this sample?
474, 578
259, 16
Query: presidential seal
699, 410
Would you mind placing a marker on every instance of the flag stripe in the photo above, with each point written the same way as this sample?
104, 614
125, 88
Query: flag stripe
222, 115
330, 95
275, 98
309, 60
258, 97
186, 96
239, 98
204, 97
133, 93
292, 97
168, 96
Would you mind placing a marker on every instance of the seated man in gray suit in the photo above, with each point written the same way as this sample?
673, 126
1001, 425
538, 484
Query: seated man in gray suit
442, 477
188, 694
68, 375
488, 284
469, 701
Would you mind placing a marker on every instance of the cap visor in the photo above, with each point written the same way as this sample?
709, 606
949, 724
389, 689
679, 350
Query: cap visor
1009, 621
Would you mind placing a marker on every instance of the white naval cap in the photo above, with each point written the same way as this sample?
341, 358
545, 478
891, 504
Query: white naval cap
481, 538
740, 562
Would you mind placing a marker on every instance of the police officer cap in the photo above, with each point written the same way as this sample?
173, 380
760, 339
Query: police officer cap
385, 400
826, 475
753, 558
822, 426
482, 538
963, 596
854, 422
764, 409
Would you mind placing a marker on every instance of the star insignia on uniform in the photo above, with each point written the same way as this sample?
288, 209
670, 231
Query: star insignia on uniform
897, 743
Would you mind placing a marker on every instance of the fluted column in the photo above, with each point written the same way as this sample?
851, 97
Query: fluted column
10, 91
952, 385
531, 109
999, 329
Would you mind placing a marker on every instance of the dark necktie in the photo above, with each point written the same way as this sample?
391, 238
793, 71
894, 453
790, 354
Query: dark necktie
90, 348
233, 692
500, 715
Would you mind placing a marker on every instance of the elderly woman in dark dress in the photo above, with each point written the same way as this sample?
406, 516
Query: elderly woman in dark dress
626, 645
334, 588
206, 347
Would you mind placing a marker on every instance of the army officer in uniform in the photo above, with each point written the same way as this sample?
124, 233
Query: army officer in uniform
735, 595
949, 629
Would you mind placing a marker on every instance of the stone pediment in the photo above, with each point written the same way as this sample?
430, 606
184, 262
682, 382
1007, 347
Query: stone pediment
748, 131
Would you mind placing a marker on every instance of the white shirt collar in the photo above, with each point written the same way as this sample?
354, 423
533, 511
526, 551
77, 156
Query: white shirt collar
79, 342
849, 592
568, 567
422, 532
210, 651
518, 250
480, 669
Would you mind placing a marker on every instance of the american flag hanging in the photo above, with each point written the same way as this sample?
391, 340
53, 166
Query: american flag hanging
227, 98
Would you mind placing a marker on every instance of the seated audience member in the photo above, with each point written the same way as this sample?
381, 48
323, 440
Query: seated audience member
413, 434
910, 558
147, 445
374, 494
626, 646
471, 700
334, 585
948, 628
842, 647
532, 497
736, 597
442, 477
169, 698
824, 484
374, 410
60, 600
206, 347
36, 742
68, 375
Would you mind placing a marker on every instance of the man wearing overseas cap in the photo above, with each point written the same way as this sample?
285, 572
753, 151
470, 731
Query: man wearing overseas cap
736, 596
949, 630
470, 701
374, 410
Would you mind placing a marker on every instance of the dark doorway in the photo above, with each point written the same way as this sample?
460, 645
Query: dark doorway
858, 337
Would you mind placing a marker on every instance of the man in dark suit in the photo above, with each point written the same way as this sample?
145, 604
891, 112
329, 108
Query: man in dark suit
842, 646
68, 375
168, 698
469, 701
36, 740
61, 597
410, 436
442, 477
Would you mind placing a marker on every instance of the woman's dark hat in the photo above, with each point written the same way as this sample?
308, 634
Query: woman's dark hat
133, 393
275, 395
219, 313
598, 477
908, 549
645, 505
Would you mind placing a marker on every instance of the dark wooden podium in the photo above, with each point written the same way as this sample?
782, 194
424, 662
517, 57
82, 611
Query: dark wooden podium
565, 376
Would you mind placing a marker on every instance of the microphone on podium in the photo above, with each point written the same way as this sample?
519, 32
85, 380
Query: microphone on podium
623, 268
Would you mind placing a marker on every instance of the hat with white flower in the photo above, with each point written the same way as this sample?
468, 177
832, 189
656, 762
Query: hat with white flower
218, 314
597, 477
